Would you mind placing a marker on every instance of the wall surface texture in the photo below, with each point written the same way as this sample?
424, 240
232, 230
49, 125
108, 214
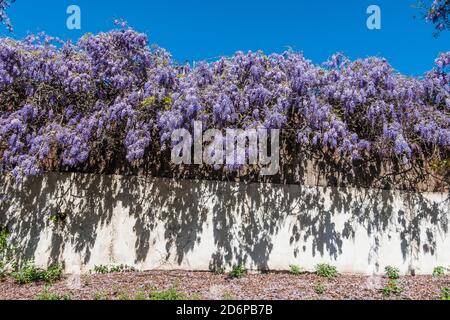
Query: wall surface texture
153, 223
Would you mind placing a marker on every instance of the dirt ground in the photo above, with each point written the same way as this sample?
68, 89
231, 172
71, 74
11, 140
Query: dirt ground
210, 286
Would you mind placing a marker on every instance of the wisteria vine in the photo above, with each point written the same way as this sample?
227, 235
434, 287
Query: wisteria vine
64, 104
439, 14
4, 4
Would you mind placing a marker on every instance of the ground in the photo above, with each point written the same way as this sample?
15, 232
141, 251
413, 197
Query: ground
210, 286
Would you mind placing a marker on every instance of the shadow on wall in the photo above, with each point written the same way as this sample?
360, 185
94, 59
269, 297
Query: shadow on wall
244, 218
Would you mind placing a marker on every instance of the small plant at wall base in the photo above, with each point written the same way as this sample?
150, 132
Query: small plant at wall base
319, 288
170, 294
26, 274
140, 296
102, 269
445, 294
125, 295
295, 270
6, 253
47, 295
326, 271
238, 272
391, 288
100, 296
392, 272
439, 272
53, 273
31, 273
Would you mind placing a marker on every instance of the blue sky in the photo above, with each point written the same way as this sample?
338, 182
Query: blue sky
197, 30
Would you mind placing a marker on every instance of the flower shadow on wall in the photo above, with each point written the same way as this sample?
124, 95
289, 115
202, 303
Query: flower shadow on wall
245, 217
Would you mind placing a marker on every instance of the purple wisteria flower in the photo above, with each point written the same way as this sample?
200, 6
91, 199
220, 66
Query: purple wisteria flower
4, 4
439, 15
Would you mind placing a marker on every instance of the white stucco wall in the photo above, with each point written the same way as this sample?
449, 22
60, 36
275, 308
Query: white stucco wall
152, 223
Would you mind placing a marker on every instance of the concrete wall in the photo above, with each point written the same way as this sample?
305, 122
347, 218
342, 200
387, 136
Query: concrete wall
153, 223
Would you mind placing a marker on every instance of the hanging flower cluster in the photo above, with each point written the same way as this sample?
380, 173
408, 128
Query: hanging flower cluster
439, 14
4, 4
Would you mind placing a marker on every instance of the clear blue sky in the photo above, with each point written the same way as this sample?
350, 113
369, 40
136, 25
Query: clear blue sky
197, 30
